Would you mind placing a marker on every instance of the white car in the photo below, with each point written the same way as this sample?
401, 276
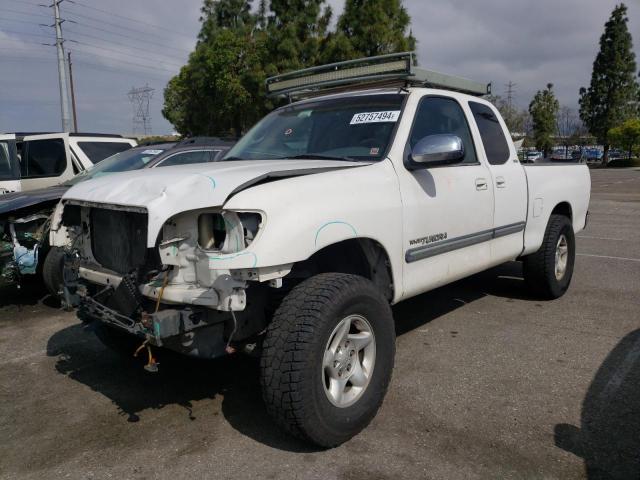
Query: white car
295, 245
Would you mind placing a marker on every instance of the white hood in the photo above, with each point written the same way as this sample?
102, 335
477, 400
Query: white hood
167, 191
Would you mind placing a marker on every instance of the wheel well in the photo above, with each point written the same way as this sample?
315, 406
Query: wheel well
563, 208
359, 256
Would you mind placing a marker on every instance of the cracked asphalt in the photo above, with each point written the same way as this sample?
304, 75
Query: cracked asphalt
489, 382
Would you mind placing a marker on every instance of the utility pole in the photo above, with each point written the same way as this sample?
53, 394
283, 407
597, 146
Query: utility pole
62, 73
73, 95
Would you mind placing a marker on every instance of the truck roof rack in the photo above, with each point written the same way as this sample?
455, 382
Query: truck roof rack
392, 70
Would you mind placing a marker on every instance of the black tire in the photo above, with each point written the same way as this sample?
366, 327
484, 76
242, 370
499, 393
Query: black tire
291, 365
539, 267
52, 271
120, 342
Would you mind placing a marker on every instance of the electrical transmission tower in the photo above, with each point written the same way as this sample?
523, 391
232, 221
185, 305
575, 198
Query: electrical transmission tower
139, 98
510, 90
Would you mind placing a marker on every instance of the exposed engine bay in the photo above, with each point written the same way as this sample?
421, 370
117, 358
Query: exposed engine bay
22, 240
170, 295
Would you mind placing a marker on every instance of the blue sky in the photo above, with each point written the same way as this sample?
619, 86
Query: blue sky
119, 44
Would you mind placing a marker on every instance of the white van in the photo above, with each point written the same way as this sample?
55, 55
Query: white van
52, 158
9, 164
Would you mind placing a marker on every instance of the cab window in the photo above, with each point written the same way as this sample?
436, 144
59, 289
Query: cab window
495, 144
440, 115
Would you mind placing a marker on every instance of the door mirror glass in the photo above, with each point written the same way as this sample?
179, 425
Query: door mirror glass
440, 149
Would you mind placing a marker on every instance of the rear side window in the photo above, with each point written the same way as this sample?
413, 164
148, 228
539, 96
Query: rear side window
185, 158
439, 115
495, 143
98, 151
45, 158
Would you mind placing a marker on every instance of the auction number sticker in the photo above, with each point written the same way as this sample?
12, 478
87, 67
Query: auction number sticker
375, 117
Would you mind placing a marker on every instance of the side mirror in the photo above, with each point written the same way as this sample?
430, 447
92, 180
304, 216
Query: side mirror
442, 149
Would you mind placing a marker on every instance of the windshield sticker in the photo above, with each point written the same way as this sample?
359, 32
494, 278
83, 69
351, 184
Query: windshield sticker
374, 151
151, 152
375, 117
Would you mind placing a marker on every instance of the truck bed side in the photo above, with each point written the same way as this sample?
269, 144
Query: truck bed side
555, 186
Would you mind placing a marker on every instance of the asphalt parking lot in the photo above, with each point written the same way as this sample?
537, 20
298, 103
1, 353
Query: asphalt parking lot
488, 383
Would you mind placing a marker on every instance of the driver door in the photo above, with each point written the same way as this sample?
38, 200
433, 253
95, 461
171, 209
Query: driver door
448, 210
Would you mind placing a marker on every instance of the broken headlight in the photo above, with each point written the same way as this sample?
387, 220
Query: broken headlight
227, 231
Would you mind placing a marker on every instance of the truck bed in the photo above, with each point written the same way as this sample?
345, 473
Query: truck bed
559, 183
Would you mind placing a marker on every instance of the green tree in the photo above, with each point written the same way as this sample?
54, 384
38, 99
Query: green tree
216, 92
544, 109
626, 135
296, 33
370, 27
613, 93
515, 118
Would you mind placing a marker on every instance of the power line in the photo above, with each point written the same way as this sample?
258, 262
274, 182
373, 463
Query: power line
129, 19
116, 25
95, 37
120, 52
28, 14
85, 64
27, 33
137, 39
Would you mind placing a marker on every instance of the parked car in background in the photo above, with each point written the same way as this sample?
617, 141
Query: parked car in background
9, 164
593, 155
24, 216
532, 156
52, 158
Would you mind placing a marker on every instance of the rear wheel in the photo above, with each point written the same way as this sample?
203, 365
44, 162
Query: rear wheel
548, 272
327, 358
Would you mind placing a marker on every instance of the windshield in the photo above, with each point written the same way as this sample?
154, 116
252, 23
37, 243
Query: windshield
356, 128
9, 169
133, 159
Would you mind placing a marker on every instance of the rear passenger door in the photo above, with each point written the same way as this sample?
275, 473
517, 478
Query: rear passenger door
509, 182
45, 161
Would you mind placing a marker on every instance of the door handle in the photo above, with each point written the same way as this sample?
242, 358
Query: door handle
481, 184
501, 182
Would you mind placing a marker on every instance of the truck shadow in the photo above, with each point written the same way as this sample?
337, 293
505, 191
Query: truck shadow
608, 439
31, 292
183, 381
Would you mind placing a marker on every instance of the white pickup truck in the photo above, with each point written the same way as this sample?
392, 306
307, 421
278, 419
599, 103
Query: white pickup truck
295, 245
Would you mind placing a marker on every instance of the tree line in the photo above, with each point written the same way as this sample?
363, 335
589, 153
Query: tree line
609, 108
220, 91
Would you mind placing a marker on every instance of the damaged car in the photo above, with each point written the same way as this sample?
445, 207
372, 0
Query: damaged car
25, 216
294, 246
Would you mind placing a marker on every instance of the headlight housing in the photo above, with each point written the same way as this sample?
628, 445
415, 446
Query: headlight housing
227, 231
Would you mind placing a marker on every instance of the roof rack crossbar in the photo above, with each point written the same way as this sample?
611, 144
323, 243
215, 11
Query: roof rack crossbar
363, 71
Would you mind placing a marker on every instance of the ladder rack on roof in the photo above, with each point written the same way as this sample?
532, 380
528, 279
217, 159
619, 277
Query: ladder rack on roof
395, 70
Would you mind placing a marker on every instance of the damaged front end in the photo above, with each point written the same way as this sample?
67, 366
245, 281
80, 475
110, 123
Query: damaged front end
184, 293
22, 238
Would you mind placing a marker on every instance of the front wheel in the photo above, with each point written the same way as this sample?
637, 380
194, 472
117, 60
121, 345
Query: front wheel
328, 357
548, 272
